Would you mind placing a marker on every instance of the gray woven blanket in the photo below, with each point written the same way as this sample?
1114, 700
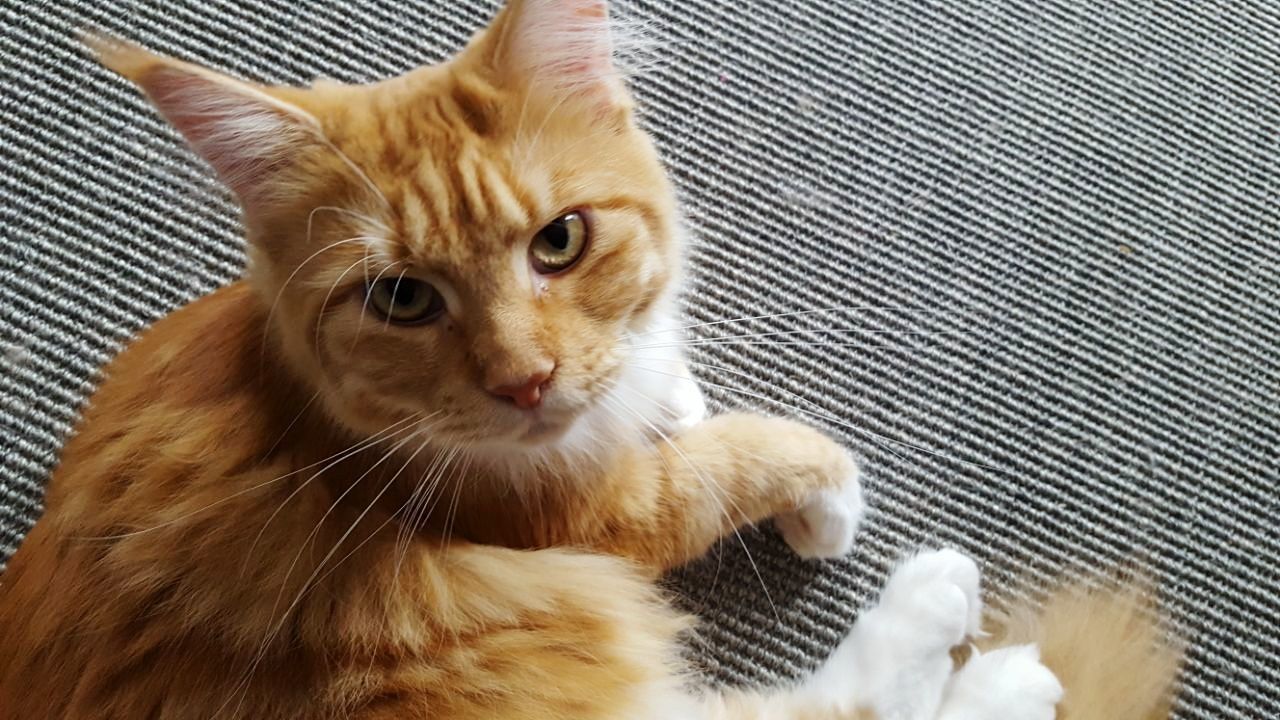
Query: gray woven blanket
1052, 230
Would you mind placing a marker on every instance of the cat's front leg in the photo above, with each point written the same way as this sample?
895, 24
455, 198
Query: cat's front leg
689, 490
824, 523
824, 526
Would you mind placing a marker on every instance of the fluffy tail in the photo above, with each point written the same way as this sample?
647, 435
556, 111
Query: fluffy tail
1105, 646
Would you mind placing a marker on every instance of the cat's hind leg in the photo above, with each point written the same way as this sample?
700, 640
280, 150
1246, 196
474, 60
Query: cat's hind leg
1009, 683
896, 661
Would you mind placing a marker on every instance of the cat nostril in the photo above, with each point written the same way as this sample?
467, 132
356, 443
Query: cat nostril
526, 394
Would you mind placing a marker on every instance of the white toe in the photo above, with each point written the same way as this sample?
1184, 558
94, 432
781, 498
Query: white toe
931, 567
825, 525
687, 405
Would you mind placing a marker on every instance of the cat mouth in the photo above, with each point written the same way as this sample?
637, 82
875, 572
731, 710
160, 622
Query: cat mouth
546, 425
542, 431
540, 427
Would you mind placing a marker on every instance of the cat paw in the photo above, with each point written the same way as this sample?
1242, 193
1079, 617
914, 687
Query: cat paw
1006, 684
824, 526
942, 586
897, 660
688, 408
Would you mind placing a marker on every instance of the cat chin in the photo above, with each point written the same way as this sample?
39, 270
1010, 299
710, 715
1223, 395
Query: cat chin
536, 437
585, 437
542, 432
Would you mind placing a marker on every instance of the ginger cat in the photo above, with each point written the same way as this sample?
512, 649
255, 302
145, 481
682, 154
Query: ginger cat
414, 466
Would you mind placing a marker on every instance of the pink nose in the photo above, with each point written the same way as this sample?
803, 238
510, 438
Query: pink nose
526, 394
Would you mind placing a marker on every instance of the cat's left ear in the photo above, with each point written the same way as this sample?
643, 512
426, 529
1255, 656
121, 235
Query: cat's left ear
253, 140
563, 47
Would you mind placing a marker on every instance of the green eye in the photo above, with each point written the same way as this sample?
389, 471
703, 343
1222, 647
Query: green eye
405, 300
558, 246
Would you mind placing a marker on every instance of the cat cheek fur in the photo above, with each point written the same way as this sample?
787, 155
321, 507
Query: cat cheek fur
468, 206
191, 564
435, 170
468, 216
375, 373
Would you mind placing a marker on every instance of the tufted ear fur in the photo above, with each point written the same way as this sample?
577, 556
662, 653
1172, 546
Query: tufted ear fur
249, 137
563, 47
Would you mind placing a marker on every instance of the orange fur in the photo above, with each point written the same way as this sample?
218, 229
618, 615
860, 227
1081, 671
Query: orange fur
277, 506
1105, 646
200, 556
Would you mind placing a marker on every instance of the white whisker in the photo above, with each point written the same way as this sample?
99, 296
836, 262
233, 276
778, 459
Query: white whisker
348, 211
364, 306
274, 631
359, 447
364, 177
310, 583
796, 313
449, 518
341, 496
823, 416
296, 418
610, 405
820, 331
378, 529
266, 327
329, 296
537, 136
395, 292
780, 343
711, 488
343, 453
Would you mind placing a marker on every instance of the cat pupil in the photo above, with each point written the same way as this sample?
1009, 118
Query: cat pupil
405, 293
557, 236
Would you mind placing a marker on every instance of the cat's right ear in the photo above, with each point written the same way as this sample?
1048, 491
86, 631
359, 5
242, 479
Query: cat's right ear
250, 138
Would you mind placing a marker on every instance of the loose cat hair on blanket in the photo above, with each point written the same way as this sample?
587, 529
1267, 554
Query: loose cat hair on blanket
428, 459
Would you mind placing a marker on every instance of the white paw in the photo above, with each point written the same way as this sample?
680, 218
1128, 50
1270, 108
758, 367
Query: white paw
897, 659
1006, 684
824, 526
687, 405
942, 585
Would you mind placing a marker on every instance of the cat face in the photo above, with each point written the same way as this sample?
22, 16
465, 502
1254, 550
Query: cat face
471, 243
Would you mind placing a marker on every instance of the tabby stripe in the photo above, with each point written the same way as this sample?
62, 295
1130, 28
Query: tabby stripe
648, 215
505, 199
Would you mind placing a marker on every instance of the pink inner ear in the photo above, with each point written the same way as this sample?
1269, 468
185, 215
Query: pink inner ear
245, 138
595, 9
177, 93
595, 22
565, 43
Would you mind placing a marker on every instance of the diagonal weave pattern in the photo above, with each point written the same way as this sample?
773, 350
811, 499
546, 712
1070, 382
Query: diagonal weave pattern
1061, 219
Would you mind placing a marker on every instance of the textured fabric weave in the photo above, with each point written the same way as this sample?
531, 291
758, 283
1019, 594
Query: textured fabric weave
1053, 227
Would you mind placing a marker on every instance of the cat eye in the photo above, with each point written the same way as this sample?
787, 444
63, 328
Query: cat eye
405, 300
558, 246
